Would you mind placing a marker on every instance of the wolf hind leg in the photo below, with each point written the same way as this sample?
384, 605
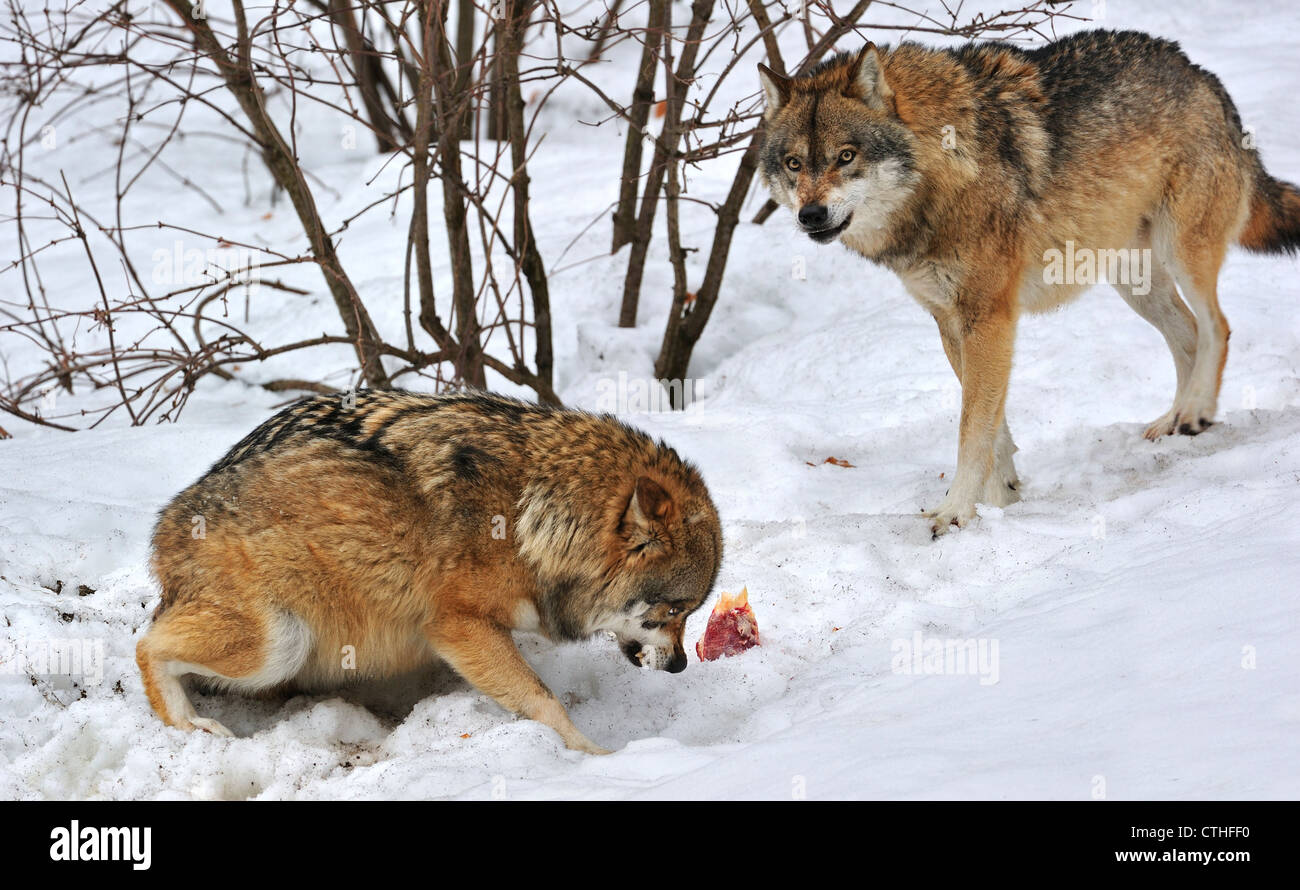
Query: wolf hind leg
1196, 405
1192, 239
1161, 306
236, 648
163, 688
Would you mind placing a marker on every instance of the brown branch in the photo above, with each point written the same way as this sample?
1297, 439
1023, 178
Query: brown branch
529, 257
638, 116
288, 174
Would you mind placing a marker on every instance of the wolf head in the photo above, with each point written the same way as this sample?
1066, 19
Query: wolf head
627, 552
671, 550
835, 150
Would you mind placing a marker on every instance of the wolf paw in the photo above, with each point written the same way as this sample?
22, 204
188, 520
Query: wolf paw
586, 746
207, 724
1187, 420
1164, 426
947, 516
1000, 491
1192, 424
1193, 415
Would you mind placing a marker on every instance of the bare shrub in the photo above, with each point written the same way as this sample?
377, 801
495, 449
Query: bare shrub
397, 70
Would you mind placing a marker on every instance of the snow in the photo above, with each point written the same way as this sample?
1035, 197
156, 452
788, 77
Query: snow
1141, 598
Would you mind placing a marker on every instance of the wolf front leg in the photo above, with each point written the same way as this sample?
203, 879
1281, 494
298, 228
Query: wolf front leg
485, 655
986, 344
1003, 485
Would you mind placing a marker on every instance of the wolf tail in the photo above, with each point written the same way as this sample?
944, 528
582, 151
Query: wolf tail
1274, 222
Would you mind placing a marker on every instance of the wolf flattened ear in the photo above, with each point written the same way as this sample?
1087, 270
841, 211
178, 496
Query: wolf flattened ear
868, 81
646, 512
776, 90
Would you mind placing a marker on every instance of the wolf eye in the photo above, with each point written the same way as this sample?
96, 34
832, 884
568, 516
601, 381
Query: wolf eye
792, 163
674, 611
847, 155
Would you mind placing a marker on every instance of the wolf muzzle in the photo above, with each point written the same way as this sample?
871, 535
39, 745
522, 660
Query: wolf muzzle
815, 220
658, 657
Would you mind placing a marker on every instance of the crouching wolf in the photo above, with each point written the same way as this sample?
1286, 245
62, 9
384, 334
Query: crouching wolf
365, 536
970, 172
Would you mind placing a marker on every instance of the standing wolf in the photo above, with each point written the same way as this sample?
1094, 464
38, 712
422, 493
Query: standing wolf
368, 536
969, 172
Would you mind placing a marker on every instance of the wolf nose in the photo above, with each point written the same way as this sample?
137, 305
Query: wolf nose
814, 216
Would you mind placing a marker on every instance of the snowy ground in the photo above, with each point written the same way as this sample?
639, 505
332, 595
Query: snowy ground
1141, 598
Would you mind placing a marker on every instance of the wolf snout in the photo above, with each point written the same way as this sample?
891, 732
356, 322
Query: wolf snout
659, 658
814, 216
818, 223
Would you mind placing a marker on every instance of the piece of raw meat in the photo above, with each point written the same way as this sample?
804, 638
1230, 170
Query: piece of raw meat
731, 630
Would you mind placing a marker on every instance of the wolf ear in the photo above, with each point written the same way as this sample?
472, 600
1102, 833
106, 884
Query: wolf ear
649, 506
869, 80
776, 90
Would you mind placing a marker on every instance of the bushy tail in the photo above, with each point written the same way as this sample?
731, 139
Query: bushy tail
1274, 223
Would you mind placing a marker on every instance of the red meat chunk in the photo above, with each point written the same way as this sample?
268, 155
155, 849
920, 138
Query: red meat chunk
731, 630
